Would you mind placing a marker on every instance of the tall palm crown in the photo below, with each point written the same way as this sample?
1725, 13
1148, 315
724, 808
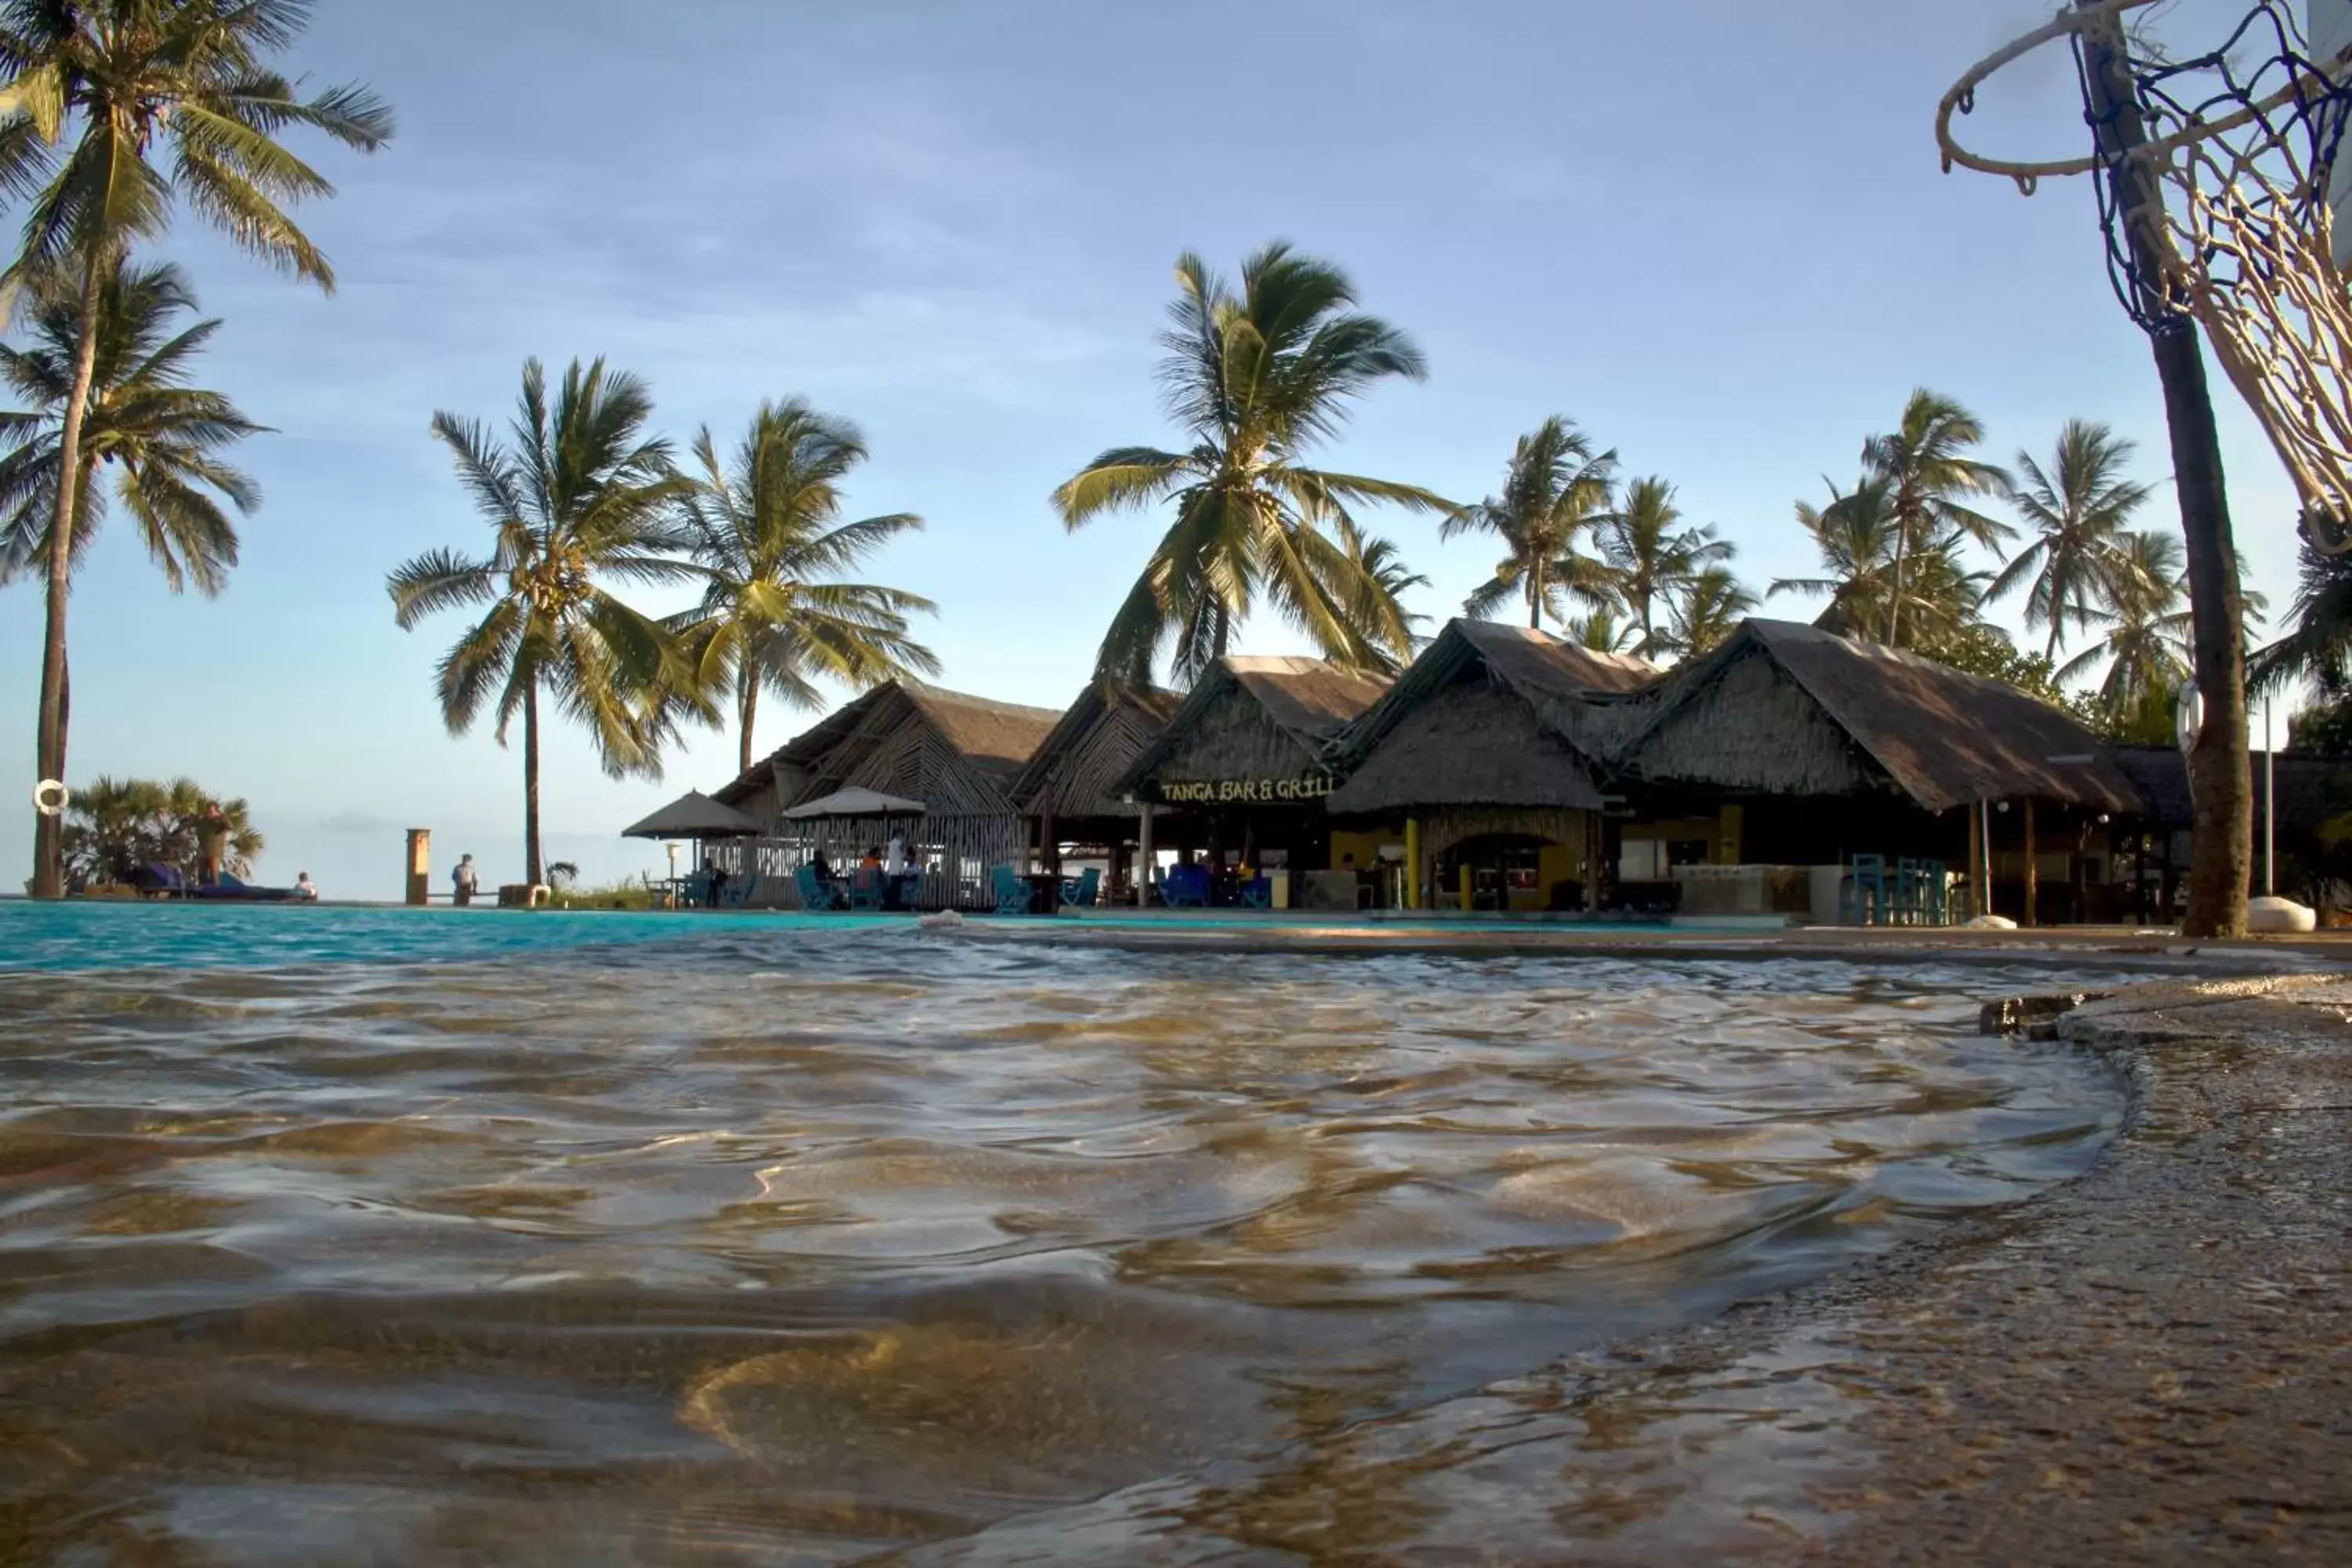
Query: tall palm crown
1855, 537
89, 91
1651, 556
1555, 490
1256, 380
2080, 509
1600, 630
767, 534
1924, 462
162, 438
2146, 620
578, 494
1704, 610
2318, 645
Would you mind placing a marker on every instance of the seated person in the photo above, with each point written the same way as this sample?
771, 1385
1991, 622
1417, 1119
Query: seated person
305, 888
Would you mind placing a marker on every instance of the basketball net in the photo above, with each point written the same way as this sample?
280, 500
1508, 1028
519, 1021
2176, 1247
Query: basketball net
2234, 226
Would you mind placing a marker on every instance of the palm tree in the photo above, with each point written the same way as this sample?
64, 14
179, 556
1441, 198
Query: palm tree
1383, 567
1600, 630
1256, 380
87, 90
2080, 509
2318, 646
578, 494
1556, 488
162, 437
116, 825
1649, 558
1705, 609
766, 533
2145, 640
1855, 537
1925, 464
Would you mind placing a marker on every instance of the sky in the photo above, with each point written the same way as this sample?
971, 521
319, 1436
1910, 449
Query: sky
1714, 234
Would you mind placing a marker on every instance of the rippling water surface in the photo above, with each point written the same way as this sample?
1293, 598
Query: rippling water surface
741, 1242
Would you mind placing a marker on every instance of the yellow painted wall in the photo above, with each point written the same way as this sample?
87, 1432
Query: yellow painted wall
1364, 846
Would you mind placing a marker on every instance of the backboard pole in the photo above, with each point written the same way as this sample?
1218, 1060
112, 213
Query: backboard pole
2221, 777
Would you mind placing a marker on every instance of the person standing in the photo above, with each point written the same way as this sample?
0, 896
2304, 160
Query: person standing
464, 880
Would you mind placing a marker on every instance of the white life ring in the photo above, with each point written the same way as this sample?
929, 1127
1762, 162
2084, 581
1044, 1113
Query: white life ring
51, 798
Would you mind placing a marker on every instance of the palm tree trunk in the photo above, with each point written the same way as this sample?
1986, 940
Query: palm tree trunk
2049, 653
747, 702
532, 864
2221, 778
1895, 605
49, 832
1535, 597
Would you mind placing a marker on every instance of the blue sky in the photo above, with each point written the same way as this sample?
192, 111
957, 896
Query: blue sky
1715, 234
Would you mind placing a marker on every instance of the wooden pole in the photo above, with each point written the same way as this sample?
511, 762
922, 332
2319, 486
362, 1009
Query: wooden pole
1977, 877
2222, 794
2033, 877
420, 865
1147, 859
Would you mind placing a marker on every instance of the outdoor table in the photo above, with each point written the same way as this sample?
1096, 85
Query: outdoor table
1045, 894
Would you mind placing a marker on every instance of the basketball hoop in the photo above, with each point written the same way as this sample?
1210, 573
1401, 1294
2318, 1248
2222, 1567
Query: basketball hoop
2235, 229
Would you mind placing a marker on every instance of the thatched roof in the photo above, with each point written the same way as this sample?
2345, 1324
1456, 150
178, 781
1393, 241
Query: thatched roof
2311, 790
1783, 709
1489, 715
958, 753
1074, 772
1271, 714
1310, 698
693, 816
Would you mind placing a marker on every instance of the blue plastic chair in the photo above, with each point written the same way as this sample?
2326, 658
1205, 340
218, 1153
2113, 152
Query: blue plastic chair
865, 891
1011, 893
1080, 892
816, 897
1186, 887
1865, 887
1257, 893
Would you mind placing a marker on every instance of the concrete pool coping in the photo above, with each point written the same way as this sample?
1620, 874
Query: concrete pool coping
2151, 1363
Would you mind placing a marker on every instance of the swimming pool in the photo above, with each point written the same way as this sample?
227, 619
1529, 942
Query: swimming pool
332, 1234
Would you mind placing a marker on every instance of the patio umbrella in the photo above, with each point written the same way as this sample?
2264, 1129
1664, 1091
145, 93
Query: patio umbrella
694, 816
864, 804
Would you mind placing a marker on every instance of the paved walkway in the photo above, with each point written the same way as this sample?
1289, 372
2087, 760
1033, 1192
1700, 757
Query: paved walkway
2150, 1364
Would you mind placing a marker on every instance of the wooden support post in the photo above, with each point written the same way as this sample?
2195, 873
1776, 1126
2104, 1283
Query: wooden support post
2033, 873
1977, 877
1147, 859
1413, 862
420, 865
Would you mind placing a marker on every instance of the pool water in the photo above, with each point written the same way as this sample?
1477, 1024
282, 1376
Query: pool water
346, 1234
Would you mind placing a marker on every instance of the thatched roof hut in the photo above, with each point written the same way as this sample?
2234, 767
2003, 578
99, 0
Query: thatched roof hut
1074, 773
958, 754
1255, 726
1783, 709
1493, 715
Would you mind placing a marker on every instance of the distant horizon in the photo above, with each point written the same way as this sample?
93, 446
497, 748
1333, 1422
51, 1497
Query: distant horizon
1731, 263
